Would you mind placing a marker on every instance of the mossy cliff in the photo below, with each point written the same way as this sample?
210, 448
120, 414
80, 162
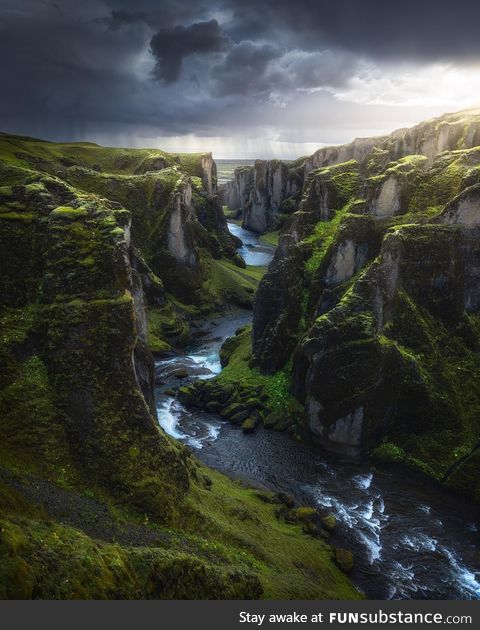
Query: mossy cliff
381, 316
96, 501
369, 313
264, 195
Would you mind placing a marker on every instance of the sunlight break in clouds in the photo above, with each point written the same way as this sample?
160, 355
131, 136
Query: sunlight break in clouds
438, 85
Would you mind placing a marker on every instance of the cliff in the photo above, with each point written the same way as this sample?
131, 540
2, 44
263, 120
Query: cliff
373, 301
261, 193
270, 190
103, 253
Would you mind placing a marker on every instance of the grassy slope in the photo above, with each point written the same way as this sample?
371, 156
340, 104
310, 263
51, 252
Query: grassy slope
243, 551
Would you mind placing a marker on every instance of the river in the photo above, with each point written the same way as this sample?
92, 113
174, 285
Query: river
411, 539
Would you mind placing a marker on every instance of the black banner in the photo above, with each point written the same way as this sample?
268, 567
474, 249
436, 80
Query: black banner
248, 615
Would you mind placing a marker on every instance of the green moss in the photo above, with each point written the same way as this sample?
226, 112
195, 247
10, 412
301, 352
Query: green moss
392, 453
321, 238
57, 562
238, 372
227, 282
65, 212
31, 438
288, 562
436, 187
17, 216
165, 323
341, 179
244, 551
407, 166
23, 151
446, 365
191, 162
270, 238
305, 513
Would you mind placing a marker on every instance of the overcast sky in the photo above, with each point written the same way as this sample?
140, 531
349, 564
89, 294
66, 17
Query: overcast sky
242, 78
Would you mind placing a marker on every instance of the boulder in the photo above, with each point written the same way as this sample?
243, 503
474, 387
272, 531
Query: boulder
344, 560
249, 425
329, 522
286, 499
305, 513
232, 409
239, 417
212, 406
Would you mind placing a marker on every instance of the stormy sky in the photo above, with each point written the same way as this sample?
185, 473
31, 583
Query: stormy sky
243, 78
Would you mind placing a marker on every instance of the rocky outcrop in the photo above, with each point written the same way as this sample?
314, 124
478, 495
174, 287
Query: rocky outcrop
445, 133
86, 335
93, 245
177, 220
236, 193
278, 302
277, 308
179, 245
260, 192
464, 209
354, 372
357, 150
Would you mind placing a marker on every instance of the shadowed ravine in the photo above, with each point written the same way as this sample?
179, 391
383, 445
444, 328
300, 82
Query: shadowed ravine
410, 538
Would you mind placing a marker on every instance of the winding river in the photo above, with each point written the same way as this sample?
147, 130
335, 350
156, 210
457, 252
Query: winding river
411, 539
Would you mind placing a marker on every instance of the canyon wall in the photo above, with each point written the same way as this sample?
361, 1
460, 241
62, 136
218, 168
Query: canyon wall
263, 195
373, 300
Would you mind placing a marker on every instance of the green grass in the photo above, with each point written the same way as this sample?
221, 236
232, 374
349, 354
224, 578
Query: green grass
322, 237
231, 545
238, 372
166, 323
291, 565
270, 238
228, 282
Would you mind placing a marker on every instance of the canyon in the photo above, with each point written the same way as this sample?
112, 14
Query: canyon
363, 341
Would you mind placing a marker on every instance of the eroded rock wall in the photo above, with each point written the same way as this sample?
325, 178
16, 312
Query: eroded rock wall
373, 297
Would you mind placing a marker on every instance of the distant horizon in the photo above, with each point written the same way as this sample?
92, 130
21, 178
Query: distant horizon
202, 144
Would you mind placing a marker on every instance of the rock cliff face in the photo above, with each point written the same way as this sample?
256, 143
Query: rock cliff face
266, 191
357, 150
447, 133
260, 193
76, 383
209, 173
96, 246
373, 299
74, 314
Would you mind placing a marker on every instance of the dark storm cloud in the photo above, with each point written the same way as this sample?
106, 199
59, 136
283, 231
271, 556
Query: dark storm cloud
244, 69
118, 19
325, 68
426, 29
163, 13
170, 46
200, 66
